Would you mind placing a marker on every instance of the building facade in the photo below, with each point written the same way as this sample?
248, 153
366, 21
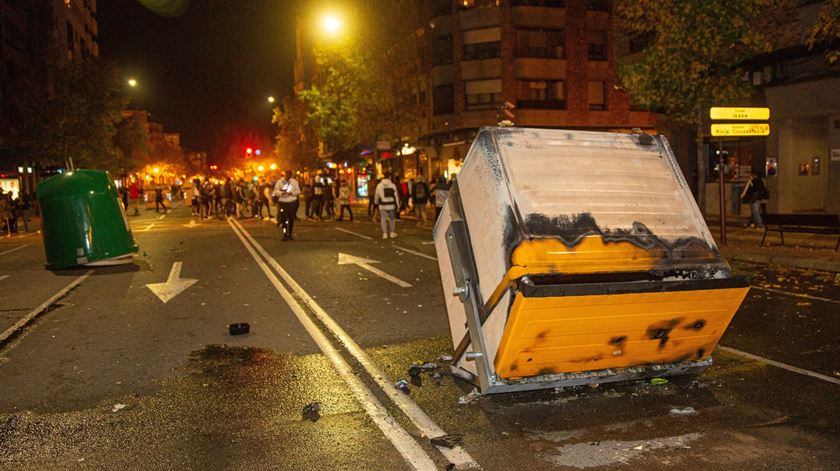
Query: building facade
551, 59
35, 34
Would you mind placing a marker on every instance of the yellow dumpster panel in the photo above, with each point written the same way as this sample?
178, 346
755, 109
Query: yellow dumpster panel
566, 334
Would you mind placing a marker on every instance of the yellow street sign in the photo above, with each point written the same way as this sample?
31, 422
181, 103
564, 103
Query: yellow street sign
741, 129
718, 112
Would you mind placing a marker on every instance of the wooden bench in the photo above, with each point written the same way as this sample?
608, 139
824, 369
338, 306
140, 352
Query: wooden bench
802, 223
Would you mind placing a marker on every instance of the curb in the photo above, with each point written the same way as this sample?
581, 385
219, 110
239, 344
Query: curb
807, 263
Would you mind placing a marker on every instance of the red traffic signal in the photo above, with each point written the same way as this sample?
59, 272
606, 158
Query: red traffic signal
249, 150
214, 167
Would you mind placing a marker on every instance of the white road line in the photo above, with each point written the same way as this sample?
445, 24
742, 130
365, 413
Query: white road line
354, 233
457, 455
43, 307
161, 216
419, 254
806, 296
3, 277
411, 451
14, 249
779, 364
149, 227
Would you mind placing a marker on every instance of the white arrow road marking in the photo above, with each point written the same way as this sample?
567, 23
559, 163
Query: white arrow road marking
3, 277
174, 285
149, 227
192, 224
344, 259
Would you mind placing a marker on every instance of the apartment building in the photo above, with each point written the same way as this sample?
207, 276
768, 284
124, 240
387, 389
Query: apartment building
551, 59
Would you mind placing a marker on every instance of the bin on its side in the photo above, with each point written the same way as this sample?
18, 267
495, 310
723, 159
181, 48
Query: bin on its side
83, 221
572, 257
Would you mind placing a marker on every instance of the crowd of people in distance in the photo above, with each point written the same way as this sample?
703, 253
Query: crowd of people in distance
324, 197
14, 210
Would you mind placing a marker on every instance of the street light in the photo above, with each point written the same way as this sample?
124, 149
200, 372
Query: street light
271, 99
132, 83
331, 24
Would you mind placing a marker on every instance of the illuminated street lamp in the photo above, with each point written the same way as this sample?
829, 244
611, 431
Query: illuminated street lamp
271, 99
273, 166
260, 168
331, 24
132, 83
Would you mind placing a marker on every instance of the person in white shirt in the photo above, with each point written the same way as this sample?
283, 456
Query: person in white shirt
386, 199
286, 190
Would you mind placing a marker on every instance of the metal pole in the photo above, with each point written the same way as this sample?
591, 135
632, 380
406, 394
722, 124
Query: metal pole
722, 194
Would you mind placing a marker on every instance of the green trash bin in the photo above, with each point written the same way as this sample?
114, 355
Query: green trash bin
83, 221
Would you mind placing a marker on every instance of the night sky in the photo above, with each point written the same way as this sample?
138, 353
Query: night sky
206, 74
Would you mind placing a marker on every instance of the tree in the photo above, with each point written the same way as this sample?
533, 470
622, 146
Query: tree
69, 112
695, 59
827, 30
132, 141
295, 141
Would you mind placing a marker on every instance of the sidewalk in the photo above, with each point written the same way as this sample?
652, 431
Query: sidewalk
809, 251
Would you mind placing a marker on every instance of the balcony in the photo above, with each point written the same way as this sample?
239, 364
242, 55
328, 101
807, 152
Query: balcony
538, 17
481, 69
480, 17
539, 68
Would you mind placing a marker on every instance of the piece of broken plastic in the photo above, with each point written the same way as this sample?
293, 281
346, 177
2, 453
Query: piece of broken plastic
402, 385
469, 397
239, 328
312, 411
658, 381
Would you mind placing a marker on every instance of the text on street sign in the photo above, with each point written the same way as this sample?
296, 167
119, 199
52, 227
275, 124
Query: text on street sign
741, 129
719, 112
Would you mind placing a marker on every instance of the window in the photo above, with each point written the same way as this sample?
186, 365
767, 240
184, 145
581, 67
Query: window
597, 95
542, 94
597, 45
467, 4
540, 43
444, 100
538, 3
482, 44
483, 94
442, 50
597, 5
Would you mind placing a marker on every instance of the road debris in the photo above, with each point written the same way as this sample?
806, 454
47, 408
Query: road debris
658, 381
402, 385
445, 358
683, 411
312, 411
469, 397
118, 407
418, 368
240, 328
448, 441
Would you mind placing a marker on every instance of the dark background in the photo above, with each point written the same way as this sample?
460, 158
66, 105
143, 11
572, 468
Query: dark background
207, 73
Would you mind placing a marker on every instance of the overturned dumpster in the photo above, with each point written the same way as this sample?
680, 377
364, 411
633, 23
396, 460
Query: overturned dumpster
572, 257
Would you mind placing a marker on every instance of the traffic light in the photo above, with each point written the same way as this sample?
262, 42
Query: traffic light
214, 167
249, 151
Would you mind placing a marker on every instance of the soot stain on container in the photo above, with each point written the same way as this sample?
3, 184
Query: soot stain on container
571, 230
662, 332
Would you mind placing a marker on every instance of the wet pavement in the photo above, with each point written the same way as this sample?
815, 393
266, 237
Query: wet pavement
112, 378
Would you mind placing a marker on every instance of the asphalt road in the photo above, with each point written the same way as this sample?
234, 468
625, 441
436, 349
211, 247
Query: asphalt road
110, 377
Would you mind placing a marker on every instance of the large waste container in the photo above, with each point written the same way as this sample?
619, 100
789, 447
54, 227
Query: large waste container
83, 221
572, 257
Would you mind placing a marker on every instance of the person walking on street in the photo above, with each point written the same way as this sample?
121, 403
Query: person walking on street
344, 199
419, 197
440, 190
6, 212
159, 199
317, 196
286, 191
329, 197
387, 200
755, 193
371, 200
264, 198
135, 192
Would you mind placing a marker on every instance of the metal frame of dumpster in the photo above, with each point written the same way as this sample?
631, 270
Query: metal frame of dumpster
478, 309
